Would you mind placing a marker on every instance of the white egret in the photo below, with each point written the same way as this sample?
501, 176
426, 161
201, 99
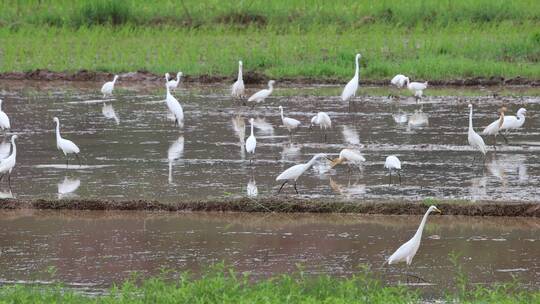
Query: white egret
239, 127
5, 148
237, 89
350, 135
66, 145
494, 127
349, 157
7, 164
251, 141
512, 122
108, 87
418, 119
417, 88
173, 84
289, 123
475, 140
293, 173
323, 120
350, 89
392, 163
263, 94
175, 108
407, 251
4, 119
399, 80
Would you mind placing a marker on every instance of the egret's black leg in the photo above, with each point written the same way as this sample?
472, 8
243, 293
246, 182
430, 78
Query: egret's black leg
505, 139
2, 176
390, 182
282, 187
295, 188
78, 159
473, 160
67, 161
399, 175
9, 180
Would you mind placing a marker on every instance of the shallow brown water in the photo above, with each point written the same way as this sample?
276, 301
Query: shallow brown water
131, 150
93, 249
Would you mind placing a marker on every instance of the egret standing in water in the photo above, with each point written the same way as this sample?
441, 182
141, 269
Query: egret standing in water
512, 122
108, 87
173, 84
417, 88
407, 251
349, 92
66, 145
7, 164
251, 142
392, 163
293, 173
175, 108
263, 94
494, 127
323, 120
4, 119
237, 89
475, 140
290, 123
349, 157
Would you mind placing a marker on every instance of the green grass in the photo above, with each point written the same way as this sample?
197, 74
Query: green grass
426, 39
223, 285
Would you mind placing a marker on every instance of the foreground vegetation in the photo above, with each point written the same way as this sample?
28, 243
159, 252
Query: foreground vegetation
222, 285
426, 39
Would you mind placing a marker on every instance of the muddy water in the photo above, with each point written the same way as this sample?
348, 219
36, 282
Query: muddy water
131, 150
92, 249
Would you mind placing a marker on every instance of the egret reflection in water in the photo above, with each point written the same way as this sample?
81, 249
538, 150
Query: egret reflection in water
350, 135
418, 119
251, 188
175, 152
67, 186
109, 113
4, 194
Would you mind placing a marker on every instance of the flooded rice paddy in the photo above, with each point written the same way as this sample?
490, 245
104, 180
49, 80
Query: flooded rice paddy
132, 150
93, 249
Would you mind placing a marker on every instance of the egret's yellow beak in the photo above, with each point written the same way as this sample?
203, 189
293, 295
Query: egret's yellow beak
437, 210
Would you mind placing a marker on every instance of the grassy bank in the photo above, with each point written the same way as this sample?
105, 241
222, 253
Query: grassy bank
221, 285
433, 40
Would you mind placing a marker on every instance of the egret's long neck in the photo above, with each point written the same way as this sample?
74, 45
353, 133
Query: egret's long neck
470, 119
178, 77
239, 72
14, 153
0, 105
501, 119
418, 234
357, 71
281, 113
166, 78
58, 131
168, 91
114, 80
270, 87
310, 163
251, 129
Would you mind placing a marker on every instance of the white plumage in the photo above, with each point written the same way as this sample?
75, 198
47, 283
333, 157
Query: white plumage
407, 251
65, 145
4, 119
251, 141
68, 186
176, 150
348, 157
392, 163
173, 83
293, 173
7, 164
237, 89
108, 87
289, 123
418, 119
175, 108
417, 88
108, 112
475, 140
352, 86
399, 80
512, 122
494, 127
263, 94
323, 120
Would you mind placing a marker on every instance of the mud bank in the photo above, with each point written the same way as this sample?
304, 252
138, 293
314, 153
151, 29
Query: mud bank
250, 77
287, 205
